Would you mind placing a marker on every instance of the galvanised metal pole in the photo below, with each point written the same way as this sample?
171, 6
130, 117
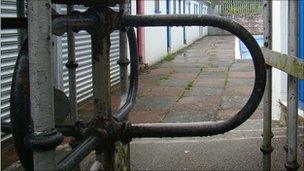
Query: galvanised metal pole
123, 58
40, 76
267, 148
72, 65
292, 94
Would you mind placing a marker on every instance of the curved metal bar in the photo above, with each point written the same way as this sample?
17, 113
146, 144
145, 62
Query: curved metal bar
199, 129
70, 161
122, 113
6, 127
20, 107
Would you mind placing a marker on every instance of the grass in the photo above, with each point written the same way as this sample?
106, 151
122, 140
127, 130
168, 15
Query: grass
189, 86
164, 77
169, 57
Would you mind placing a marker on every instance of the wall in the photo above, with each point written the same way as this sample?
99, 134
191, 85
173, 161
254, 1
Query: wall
156, 37
280, 44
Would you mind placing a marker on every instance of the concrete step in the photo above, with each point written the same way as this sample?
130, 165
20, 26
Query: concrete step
238, 149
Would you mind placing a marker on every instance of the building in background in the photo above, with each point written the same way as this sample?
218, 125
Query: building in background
156, 42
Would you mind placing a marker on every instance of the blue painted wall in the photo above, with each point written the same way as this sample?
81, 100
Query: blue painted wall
301, 48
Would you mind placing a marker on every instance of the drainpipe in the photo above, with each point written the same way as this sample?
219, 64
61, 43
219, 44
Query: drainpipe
168, 28
184, 28
140, 33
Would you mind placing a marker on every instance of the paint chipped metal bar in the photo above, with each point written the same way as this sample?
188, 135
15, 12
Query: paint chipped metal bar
72, 65
266, 147
123, 61
202, 129
60, 23
72, 160
41, 81
122, 113
101, 87
292, 90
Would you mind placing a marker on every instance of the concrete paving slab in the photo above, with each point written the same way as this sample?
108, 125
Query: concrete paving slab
217, 75
204, 91
238, 90
235, 102
143, 116
150, 103
190, 116
175, 82
197, 103
244, 75
188, 69
224, 114
216, 154
164, 91
209, 82
240, 82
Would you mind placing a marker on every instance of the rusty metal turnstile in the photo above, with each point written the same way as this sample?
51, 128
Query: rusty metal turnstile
35, 131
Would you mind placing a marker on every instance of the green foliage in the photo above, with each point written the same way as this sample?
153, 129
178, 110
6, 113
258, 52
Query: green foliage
189, 86
165, 77
169, 57
241, 6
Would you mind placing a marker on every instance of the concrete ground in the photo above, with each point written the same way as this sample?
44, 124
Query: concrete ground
202, 83
238, 149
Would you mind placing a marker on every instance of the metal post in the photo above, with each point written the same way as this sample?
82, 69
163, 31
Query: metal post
72, 65
292, 94
168, 28
184, 28
123, 59
267, 148
101, 89
41, 85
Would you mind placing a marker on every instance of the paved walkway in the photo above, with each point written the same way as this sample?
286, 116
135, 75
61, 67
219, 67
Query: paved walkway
203, 83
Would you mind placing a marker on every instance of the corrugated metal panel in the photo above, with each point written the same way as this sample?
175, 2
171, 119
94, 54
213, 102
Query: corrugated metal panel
9, 52
83, 57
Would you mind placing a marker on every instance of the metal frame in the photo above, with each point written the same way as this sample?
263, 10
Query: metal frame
292, 92
101, 133
72, 65
41, 81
